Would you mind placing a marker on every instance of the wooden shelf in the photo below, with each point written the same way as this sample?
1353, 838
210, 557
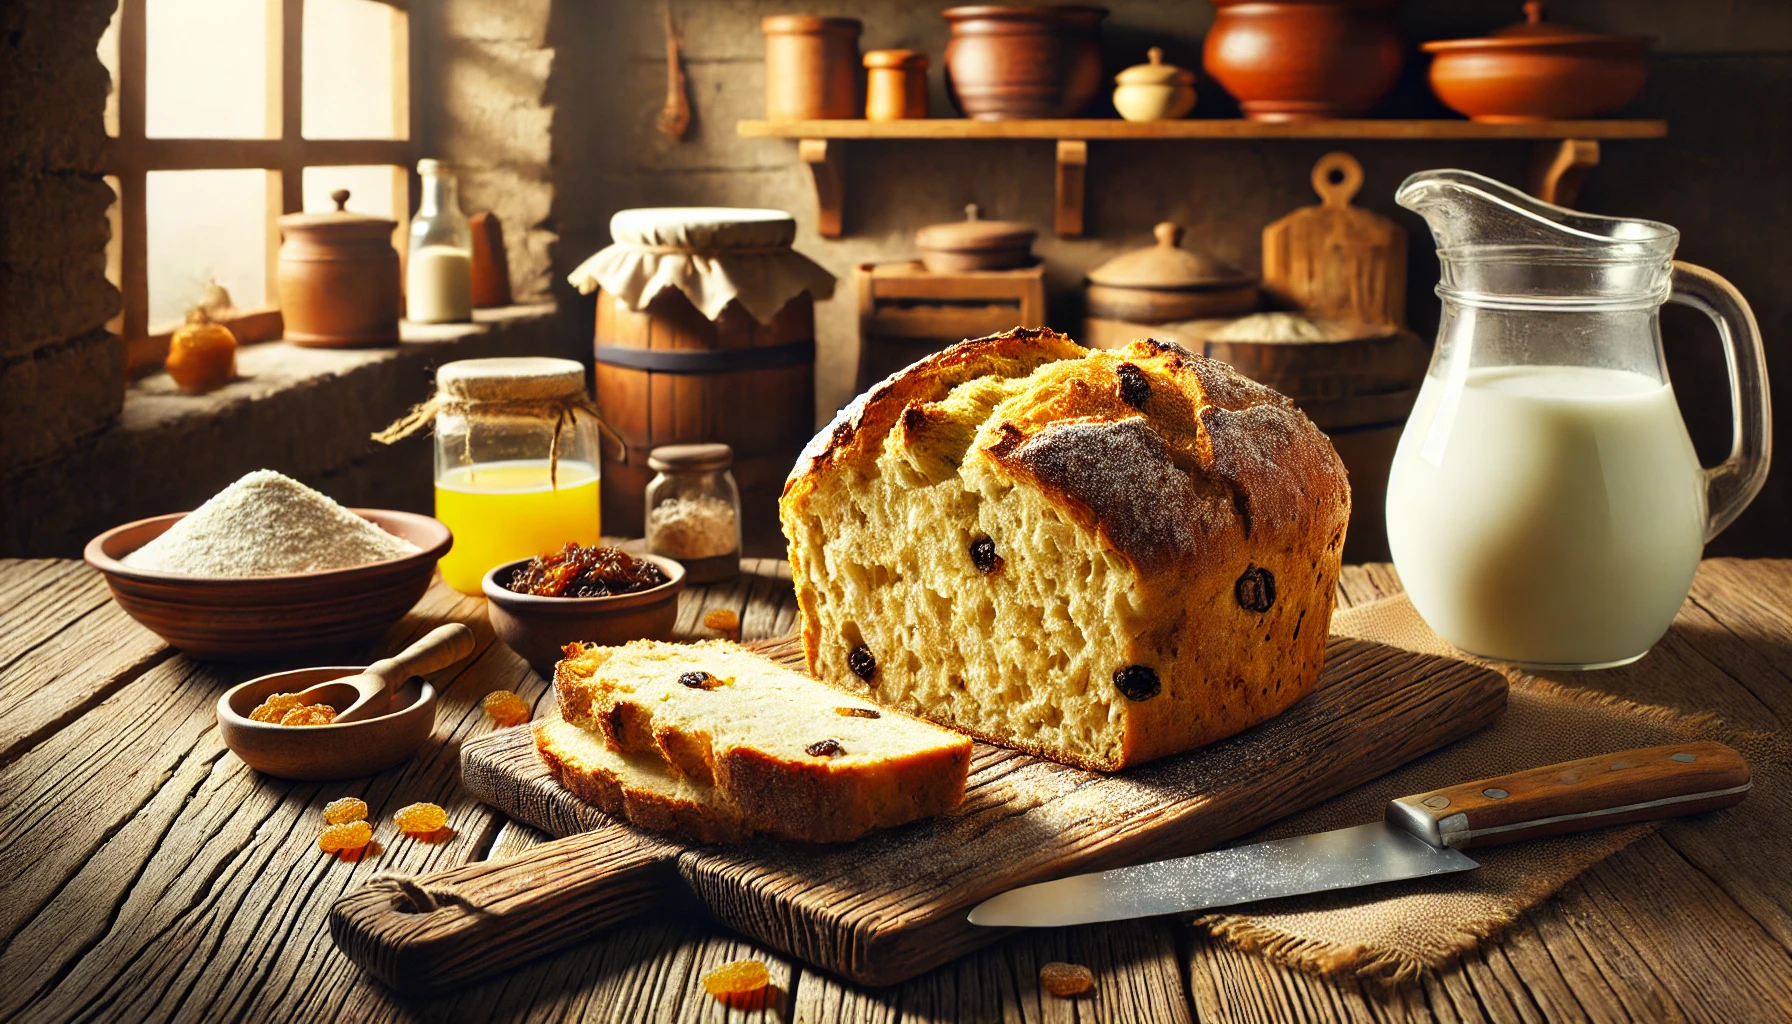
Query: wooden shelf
1564, 150
1210, 128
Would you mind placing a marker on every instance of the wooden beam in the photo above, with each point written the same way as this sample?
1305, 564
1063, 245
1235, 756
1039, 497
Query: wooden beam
133, 270
827, 164
1073, 157
1558, 168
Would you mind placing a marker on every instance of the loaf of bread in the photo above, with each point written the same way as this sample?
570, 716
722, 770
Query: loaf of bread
1101, 557
717, 743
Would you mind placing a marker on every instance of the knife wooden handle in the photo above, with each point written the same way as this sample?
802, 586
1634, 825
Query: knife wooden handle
1574, 796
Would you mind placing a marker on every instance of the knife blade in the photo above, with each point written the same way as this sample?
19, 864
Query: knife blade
1421, 835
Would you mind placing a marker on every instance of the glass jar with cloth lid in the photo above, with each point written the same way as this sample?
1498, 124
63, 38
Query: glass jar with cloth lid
518, 459
706, 334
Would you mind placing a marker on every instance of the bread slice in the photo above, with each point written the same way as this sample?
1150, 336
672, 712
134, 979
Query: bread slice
1101, 557
717, 743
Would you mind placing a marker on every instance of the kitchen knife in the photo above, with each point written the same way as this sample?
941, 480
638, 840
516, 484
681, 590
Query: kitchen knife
1421, 835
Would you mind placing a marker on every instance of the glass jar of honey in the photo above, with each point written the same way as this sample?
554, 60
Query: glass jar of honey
517, 462
693, 510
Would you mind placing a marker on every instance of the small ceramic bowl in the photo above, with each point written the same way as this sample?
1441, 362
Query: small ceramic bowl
318, 753
539, 627
266, 618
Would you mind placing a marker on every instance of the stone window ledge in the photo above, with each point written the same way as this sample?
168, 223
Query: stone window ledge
308, 413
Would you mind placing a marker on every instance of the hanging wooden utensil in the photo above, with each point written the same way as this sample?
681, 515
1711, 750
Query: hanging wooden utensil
675, 116
1336, 260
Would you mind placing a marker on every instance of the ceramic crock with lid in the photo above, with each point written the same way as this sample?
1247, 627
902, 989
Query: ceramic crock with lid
338, 278
975, 244
1154, 91
1538, 70
1164, 283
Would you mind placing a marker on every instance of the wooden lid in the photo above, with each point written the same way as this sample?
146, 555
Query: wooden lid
974, 234
804, 24
690, 458
338, 225
1167, 267
911, 60
511, 379
1154, 71
1534, 31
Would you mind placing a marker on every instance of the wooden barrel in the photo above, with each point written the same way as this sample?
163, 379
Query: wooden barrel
670, 375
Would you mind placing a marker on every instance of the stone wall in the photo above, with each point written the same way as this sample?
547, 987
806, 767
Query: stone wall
1721, 76
61, 372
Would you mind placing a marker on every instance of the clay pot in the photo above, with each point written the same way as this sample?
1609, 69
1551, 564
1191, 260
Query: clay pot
338, 278
972, 244
1165, 283
811, 67
1538, 71
1022, 62
895, 85
1295, 60
1154, 91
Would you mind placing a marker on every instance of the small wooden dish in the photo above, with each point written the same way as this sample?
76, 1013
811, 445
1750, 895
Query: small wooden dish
539, 627
320, 753
266, 618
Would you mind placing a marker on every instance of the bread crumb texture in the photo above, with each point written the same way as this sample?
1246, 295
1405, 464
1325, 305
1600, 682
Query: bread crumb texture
1098, 556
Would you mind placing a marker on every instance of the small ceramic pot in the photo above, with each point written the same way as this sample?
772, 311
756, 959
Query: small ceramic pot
811, 67
972, 244
1294, 60
1538, 71
1154, 91
539, 628
338, 278
895, 85
1022, 62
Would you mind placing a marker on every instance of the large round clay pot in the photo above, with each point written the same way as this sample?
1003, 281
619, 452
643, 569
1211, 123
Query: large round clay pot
1293, 60
1019, 62
1538, 71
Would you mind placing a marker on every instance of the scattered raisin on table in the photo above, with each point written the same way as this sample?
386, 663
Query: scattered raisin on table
274, 708
420, 819
731, 981
345, 810
1063, 980
1255, 590
350, 835
506, 708
723, 619
1135, 387
825, 748
309, 714
699, 680
857, 713
577, 571
984, 557
1137, 682
862, 663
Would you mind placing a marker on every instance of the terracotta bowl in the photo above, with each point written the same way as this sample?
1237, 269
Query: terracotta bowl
1522, 79
1292, 60
314, 753
539, 627
1015, 62
268, 618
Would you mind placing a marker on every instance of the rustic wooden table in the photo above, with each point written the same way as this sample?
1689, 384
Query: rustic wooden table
149, 875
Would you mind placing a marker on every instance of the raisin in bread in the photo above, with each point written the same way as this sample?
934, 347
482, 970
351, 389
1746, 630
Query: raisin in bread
1101, 557
717, 743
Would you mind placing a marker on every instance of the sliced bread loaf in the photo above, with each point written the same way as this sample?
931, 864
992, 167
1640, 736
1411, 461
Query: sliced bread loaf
717, 743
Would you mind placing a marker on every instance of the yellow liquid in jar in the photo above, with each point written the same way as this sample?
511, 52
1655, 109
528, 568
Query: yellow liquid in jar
503, 511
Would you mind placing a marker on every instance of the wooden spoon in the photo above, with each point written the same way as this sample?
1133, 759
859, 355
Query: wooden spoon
364, 696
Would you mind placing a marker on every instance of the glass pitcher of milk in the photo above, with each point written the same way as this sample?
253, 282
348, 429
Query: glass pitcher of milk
1545, 506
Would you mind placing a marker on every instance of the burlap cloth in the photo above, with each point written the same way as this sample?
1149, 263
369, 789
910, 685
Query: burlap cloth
713, 254
1397, 931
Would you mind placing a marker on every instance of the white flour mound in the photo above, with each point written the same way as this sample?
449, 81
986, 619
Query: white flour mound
267, 524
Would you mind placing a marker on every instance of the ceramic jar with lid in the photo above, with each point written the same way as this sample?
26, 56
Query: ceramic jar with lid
895, 85
811, 67
338, 278
693, 510
1538, 71
1165, 283
1154, 91
975, 244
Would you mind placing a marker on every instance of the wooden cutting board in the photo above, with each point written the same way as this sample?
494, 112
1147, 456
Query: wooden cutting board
1336, 260
893, 905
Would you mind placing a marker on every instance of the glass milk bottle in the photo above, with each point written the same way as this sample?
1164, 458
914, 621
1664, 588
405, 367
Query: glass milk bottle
1545, 506
517, 462
439, 274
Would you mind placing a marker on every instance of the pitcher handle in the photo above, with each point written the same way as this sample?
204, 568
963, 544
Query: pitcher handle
1733, 483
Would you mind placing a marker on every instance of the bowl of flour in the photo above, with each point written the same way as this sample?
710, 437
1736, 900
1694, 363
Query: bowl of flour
270, 569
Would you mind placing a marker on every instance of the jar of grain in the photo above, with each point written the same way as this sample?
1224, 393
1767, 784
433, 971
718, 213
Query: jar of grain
811, 67
693, 510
